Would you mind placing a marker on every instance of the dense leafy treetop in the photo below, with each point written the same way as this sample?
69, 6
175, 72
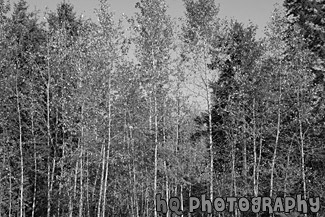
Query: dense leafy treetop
309, 14
201, 18
65, 17
154, 27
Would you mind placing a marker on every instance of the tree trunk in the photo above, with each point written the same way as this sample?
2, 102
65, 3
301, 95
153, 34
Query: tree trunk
81, 175
258, 165
101, 180
147, 199
211, 154
206, 81
21, 186
1, 188
134, 204
182, 199
276, 140
156, 158
167, 188
72, 200
255, 151
48, 135
189, 195
52, 174
233, 155
35, 167
87, 183
301, 135
108, 142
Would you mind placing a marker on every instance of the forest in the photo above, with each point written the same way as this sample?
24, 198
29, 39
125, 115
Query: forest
98, 117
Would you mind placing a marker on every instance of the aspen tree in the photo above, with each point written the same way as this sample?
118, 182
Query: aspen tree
201, 22
153, 43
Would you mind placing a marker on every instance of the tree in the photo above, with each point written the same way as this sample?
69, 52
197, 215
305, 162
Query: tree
198, 33
308, 15
65, 18
153, 50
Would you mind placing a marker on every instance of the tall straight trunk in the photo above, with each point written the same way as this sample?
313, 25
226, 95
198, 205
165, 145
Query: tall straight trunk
150, 114
108, 143
258, 165
189, 195
167, 188
147, 198
70, 198
130, 153
156, 155
135, 203
245, 160
105, 180
211, 155
101, 180
60, 183
48, 135
56, 144
131, 179
165, 161
178, 117
35, 167
1, 188
255, 154
144, 186
4, 164
274, 156
81, 170
302, 152
52, 174
234, 187
10, 191
156, 132
276, 139
255, 151
303, 164
206, 81
97, 173
182, 198
87, 188
62, 171
81, 140
21, 185
73, 198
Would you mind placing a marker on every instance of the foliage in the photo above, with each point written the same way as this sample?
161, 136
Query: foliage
96, 118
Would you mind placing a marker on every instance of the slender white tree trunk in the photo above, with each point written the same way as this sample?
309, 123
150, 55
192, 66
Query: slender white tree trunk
276, 139
156, 155
21, 186
108, 142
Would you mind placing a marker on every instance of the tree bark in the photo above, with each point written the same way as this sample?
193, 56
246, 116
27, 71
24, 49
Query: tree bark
276, 138
101, 180
21, 186
302, 152
35, 167
255, 151
156, 156
109, 140
81, 168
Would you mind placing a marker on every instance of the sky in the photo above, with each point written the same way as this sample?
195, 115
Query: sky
256, 11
